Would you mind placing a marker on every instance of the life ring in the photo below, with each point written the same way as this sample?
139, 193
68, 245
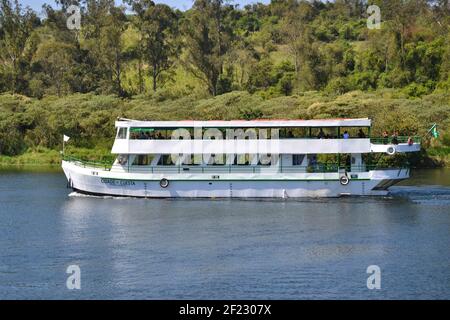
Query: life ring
391, 151
164, 183
344, 180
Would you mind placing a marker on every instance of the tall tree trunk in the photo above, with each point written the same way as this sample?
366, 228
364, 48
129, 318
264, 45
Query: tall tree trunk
155, 76
118, 74
140, 76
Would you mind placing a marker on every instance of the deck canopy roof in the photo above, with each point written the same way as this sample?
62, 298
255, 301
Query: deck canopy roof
325, 123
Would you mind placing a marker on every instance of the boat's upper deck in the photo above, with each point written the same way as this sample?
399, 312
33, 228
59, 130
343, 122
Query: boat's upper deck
329, 136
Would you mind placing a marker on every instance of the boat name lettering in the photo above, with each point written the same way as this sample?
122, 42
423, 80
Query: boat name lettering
118, 182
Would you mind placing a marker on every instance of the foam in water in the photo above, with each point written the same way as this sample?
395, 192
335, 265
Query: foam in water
83, 195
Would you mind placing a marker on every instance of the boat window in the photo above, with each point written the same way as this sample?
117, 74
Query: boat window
122, 159
143, 160
122, 133
324, 133
165, 160
160, 135
298, 159
142, 133
271, 160
295, 133
355, 132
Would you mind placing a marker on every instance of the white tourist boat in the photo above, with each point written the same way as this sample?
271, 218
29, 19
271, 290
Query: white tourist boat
243, 159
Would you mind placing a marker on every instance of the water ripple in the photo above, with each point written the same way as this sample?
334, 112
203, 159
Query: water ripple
424, 195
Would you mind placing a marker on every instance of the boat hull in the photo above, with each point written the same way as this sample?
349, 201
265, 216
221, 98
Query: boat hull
97, 182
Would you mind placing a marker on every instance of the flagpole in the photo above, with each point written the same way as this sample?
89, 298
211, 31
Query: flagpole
434, 126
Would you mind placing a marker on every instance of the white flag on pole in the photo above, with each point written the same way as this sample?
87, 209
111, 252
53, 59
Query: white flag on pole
66, 138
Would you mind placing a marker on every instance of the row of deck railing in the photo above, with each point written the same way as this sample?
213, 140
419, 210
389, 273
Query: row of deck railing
224, 169
374, 140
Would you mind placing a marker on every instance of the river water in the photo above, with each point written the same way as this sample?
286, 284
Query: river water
222, 249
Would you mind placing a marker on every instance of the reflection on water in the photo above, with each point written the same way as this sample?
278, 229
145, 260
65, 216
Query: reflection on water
202, 249
426, 177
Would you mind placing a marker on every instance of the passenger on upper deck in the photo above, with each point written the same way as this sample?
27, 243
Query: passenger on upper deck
385, 137
361, 134
346, 135
395, 138
321, 134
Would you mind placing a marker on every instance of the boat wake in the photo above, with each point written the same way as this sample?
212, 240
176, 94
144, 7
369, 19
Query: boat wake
426, 195
83, 195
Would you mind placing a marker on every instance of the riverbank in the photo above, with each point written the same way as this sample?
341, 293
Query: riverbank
43, 157
47, 157
31, 130
33, 158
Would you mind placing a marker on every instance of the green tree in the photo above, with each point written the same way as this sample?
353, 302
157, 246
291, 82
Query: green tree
400, 17
112, 47
16, 27
158, 28
102, 30
56, 60
208, 39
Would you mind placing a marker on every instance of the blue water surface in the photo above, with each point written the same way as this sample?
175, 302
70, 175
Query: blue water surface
221, 249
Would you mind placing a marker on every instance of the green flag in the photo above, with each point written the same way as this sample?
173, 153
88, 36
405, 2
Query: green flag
434, 131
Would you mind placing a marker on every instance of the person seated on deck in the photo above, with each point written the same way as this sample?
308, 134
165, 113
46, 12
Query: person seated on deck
395, 138
321, 134
410, 141
385, 137
346, 135
159, 137
361, 134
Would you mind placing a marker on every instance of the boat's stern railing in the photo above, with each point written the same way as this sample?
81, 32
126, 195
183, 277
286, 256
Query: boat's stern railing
396, 140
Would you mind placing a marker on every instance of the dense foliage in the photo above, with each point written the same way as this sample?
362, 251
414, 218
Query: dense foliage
38, 125
289, 59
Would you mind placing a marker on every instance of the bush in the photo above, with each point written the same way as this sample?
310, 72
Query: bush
416, 90
363, 81
261, 76
393, 79
250, 114
224, 85
338, 86
286, 84
446, 139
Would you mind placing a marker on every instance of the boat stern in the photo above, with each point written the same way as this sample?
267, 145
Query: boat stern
387, 178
